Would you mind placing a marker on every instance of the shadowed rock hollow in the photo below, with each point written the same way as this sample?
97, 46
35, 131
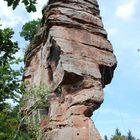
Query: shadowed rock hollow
73, 57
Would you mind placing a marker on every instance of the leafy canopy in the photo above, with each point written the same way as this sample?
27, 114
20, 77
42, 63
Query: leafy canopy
29, 29
8, 122
10, 85
29, 4
119, 136
9, 77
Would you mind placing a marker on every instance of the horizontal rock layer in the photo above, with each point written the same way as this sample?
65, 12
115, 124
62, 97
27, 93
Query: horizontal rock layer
72, 55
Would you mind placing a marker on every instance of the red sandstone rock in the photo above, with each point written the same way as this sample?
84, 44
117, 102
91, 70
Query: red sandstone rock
73, 56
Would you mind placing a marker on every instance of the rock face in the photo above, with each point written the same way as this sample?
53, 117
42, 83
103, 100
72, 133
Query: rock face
73, 57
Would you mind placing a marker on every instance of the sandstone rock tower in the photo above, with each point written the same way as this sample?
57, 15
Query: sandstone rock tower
73, 57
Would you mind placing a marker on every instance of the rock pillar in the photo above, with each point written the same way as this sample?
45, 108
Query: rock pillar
73, 57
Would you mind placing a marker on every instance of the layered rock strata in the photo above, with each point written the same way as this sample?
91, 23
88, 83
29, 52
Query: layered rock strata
74, 58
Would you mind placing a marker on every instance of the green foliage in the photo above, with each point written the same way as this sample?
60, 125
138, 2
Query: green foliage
29, 4
9, 84
105, 138
29, 29
129, 136
11, 124
41, 91
9, 78
8, 122
35, 131
40, 95
119, 136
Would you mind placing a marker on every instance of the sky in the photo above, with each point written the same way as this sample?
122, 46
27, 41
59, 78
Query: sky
121, 19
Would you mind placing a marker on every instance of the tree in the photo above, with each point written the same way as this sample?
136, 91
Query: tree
9, 77
129, 136
9, 83
9, 80
8, 122
29, 4
118, 135
105, 138
29, 29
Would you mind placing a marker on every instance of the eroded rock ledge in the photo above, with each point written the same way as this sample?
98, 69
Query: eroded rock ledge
72, 56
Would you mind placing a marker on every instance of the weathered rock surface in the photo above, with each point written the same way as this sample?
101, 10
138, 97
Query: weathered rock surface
73, 56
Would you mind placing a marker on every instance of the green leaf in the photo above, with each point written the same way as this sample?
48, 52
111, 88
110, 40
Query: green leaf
15, 3
26, 2
9, 2
30, 5
29, 29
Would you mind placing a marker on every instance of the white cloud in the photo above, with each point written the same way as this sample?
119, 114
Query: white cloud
127, 10
10, 17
